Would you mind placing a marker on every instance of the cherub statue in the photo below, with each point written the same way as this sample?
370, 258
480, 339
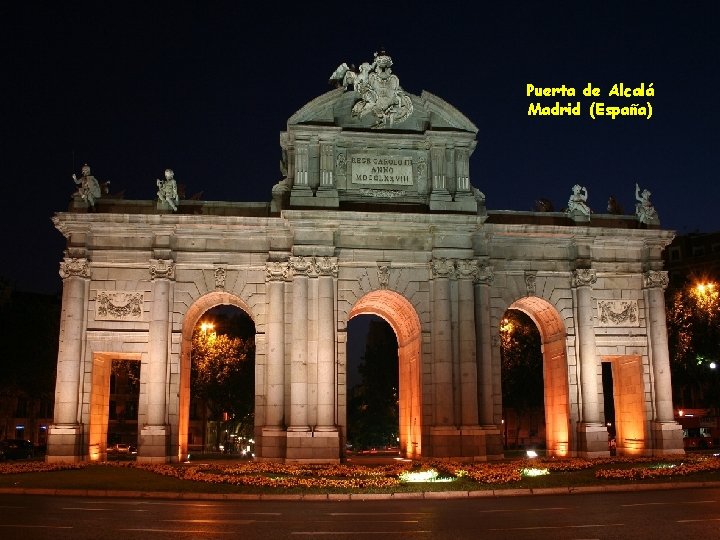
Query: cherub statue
578, 201
167, 190
644, 209
88, 186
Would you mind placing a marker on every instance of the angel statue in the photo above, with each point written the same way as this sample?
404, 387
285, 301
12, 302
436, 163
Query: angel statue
644, 209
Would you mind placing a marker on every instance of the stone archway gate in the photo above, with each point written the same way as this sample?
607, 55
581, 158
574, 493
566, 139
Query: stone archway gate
130, 282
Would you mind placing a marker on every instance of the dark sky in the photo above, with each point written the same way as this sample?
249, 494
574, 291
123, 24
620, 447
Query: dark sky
205, 88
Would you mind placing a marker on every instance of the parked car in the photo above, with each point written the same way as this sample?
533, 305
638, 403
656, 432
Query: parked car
16, 449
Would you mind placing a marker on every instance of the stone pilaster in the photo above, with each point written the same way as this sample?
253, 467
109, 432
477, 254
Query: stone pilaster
66, 434
667, 433
484, 344
327, 269
467, 271
442, 271
592, 433
154, 436
301, 266
276, 274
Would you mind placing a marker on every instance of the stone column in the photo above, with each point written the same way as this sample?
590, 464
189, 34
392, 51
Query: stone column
467, 270
484, 345
154, 435
442, 270
326, 269
276, 275
582, 282
667, 435
65, 435
298, 363
654, 283
440, 198
592, 433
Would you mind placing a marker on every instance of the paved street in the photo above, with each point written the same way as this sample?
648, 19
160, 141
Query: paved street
681, 513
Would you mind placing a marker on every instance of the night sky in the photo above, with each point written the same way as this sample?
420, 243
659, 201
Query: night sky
205, 88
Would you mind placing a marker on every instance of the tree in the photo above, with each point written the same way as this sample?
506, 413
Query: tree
373, 405
522, 365
693, 324
222, 374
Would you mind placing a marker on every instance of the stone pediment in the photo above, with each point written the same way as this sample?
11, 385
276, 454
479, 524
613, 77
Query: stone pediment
335, 108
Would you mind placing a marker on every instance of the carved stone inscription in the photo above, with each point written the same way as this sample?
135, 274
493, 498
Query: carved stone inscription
387, 170
119, 306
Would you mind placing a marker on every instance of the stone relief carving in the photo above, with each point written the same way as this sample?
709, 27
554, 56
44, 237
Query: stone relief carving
382, 192
119, 306
530, 281
618, 313
583, 277
655, 278
220, 274
379, 90
162, 269
277, 271
383, 274
341, 163
72, 267
421, 169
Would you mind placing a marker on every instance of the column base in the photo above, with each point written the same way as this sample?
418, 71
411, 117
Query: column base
592, 440
153, 444
313, 447
270, 444
65, 444
466, 443
667, 438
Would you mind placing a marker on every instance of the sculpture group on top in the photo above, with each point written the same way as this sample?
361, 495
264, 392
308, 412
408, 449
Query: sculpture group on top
378, 89
644, 209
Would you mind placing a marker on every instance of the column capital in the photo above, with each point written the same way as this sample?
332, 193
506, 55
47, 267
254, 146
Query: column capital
277, 271
74, 267
442, 268
655, 278
485, 275
301, 266
326, 266
162, 269
467, 268
583, 277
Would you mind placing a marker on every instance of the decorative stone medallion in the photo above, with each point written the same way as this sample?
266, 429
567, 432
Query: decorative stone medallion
119, 306
618, 313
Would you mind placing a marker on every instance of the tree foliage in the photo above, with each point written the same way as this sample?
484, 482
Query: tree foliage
373, 405
522, 363
222, 375
693, 324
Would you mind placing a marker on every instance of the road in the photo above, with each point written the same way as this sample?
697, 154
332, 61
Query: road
671, 514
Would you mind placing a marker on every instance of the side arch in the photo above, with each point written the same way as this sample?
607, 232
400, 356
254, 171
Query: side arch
555, 371
400, 314
193, 315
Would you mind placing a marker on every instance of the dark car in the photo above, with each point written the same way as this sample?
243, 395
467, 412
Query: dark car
16, 449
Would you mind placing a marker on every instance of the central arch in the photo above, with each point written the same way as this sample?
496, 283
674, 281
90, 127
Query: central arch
193, 315
555, 372
400, 314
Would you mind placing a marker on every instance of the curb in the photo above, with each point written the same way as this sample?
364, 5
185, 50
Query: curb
324, 497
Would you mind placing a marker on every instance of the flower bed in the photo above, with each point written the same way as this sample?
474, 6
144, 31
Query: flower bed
357, 477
